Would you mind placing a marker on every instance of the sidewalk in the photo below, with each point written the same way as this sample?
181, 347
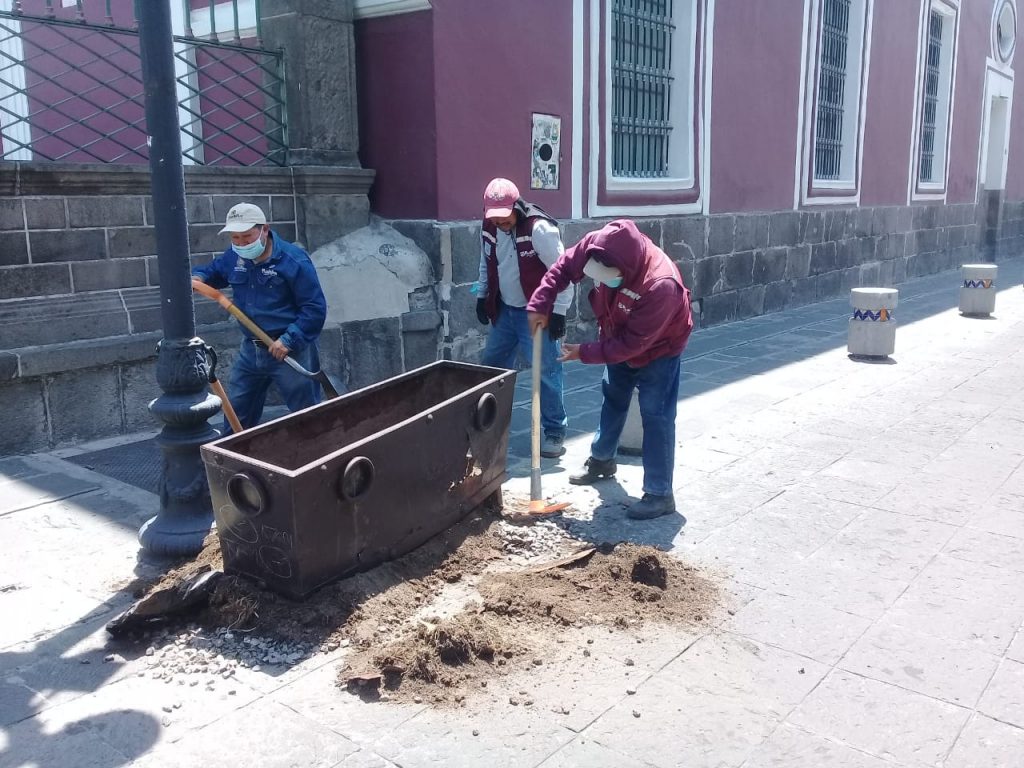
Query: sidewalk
867, 517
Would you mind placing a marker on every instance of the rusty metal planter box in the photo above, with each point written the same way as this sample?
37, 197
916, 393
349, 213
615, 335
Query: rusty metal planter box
360, 479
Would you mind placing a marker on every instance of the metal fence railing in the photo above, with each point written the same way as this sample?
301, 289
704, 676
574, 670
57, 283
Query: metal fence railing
71, 83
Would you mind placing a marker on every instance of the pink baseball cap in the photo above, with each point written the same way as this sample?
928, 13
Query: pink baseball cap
499, 197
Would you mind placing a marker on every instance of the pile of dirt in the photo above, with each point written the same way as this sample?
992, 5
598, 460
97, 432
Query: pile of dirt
361, 608
620, 586
520, 613
459, 610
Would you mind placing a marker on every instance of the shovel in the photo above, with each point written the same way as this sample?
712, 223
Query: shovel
212, 293
218, 390
537, 506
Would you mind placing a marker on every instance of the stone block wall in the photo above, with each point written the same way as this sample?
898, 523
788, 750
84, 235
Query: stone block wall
742, 265
79, 295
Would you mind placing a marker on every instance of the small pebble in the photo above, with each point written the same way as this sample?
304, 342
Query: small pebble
631, 691
586, 652
513, 701
636, 713
630, 662
476, 732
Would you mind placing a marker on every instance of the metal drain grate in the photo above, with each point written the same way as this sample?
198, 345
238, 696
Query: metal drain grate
137, 464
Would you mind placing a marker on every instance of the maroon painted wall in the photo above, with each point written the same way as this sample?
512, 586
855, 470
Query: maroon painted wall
495, 65
755, 101
975, 30
1015, 162
890, 104
397, 116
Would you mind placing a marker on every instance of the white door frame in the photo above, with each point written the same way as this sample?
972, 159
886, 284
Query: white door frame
998, 85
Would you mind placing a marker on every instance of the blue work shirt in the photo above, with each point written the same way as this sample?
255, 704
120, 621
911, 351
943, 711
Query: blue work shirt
282, 295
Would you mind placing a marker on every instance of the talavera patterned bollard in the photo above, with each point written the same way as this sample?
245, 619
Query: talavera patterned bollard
978, 293
872, 328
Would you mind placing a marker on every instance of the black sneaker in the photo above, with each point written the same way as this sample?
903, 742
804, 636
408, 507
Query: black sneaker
552, 447
651, 506
594, 470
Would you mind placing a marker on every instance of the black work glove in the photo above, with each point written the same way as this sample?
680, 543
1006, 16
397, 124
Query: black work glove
481, 311
556, 327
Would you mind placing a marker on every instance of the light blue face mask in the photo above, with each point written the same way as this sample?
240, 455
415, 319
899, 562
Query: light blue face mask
615, 282
251, 251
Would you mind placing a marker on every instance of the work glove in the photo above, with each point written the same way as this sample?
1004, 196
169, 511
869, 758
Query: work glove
481, 311
556, 327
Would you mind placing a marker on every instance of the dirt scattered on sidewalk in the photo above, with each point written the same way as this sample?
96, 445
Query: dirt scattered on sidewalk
468, 606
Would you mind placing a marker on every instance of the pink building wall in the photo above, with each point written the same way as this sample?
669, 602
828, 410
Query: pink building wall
505, 63
889, 118
487, 69
397, 113
969, 90
755, 104
1015, 168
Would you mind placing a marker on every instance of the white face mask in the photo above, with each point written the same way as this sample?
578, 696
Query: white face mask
251, 251
602, 273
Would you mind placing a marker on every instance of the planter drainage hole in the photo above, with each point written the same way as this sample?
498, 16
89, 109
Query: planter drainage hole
246, 494
486, 411
357, 478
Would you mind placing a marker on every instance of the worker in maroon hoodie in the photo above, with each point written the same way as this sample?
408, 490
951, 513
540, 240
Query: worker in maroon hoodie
643, 310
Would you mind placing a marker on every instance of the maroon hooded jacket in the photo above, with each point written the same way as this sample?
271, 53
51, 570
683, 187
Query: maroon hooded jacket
647, 317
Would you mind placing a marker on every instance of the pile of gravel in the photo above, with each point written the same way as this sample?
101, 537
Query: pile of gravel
535, 540
197, 656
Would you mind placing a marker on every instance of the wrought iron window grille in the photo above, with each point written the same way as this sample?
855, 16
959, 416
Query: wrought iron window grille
642, 77
831, 101
929, 115
71, 89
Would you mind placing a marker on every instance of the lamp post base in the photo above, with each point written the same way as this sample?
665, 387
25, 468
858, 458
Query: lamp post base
186, 515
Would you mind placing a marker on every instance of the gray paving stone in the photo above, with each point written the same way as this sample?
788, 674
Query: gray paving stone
887, 543
970, 581
1016, 649
581, 752
42, 605
317, 696
264, 731
858, 712
1000, 514
809, 629
25, 744
715, 704
38, 489
989, 548
842, 587
506, 736
987, 743
987, 626
146, 699
791, 747
953, 672
932, 497
1003, 699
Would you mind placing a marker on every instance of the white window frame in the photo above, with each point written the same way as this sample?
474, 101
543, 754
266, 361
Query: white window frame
372, 9
682, 154
935, 188
596, 75
1004, 11
811, 190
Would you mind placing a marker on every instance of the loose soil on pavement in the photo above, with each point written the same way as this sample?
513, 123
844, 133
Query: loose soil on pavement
458, 611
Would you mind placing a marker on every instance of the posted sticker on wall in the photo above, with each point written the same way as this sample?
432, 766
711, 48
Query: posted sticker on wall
547, 133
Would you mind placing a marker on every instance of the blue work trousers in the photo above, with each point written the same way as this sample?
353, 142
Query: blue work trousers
255, 370
658, 384
511, 332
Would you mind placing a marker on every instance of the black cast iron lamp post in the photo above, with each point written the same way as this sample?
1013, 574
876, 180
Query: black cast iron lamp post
182, 370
